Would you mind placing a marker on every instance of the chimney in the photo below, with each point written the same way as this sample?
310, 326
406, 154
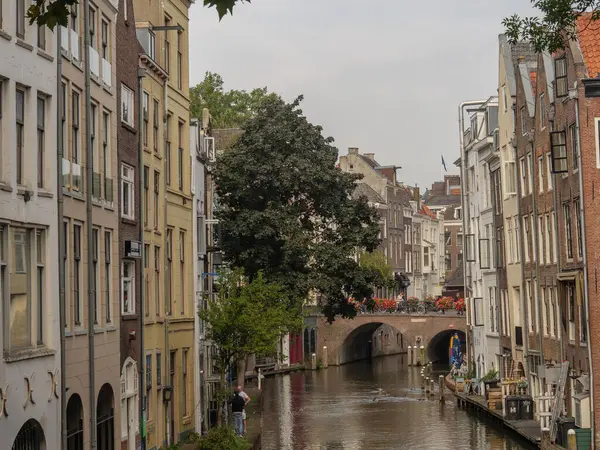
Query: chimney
353, 150
371, 156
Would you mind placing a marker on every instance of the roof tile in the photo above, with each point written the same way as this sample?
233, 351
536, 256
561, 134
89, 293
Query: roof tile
588, 32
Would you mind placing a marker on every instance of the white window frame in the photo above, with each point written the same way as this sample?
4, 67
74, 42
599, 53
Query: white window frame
129, 389
549, 170
523, 178
130, 309
517, 240
541, 173
530, 173
526, 232
127, 106
128, 185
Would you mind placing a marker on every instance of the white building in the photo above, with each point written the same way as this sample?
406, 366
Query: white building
478, 222
429, 269
30, 366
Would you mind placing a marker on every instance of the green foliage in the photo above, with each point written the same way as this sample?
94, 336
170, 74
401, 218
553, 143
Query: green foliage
53, 12
491, 375
375, 263
229, 109
287, 210
247, 318
555, 26
219, 438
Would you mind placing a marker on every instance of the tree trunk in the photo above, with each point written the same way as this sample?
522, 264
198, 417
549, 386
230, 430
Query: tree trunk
220, 400
241, 371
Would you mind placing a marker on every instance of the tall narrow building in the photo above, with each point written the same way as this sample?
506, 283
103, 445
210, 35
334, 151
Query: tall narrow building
92, 373
169, 320
29, 296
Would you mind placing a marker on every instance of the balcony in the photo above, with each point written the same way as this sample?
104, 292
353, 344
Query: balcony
106, 73
74, 45
94, 62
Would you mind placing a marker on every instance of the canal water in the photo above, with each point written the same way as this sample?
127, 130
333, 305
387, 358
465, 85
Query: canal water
369, 405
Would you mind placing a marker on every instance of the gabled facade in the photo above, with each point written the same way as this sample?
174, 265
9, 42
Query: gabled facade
29, 317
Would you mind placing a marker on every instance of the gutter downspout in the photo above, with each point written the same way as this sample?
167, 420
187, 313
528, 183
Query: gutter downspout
523, 299
558, 261
61, 242
463, 161
140, 75
585, 268
89, 158
168, 407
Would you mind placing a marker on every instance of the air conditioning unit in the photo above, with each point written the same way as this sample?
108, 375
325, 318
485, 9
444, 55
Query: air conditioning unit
209, 148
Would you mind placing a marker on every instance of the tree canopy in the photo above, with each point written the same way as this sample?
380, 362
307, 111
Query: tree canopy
285, 209
554, 27
229, 109
56, 12
375, 263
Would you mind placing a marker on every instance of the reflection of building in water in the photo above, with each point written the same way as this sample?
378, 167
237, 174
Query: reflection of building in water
286, 418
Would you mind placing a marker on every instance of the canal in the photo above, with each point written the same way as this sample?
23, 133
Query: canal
370, 405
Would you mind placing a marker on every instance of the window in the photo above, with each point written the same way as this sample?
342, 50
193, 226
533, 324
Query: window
41, 37
180, 60
146, 113
510, 171
77, 307
104, 37
526, 237
574, 150
75, 127
184, 370
41, 138
66, 273
148, 375
152, 45
523, 177
182, 271
484, 253
95, 257
497, 186
545, 312
541, 173
128, 287
169, 274
530, 172
20, 128
478, 311
180, 156
549, 239
492, 309
560, 70
167, 61
21, 19
157, 279
470, 250
63, 118
147, 279
511, 243
554, 238
549, 170
541, 240
500, 257
558, 146
107, 274
146, 193
108, 182
530, 308
129, 398
155, 126
95, 155
22, 279
426, 257
517, 242
92, 27
127, 106
571, 310
577, 205
158, 369
542, 110
127, 192
582, 324
523, 121
156, 190
168, 151
568, 231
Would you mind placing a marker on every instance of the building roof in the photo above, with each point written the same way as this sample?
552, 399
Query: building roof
364, 190
525, 70
512, 54
442, 200
369, 161
457, 278
588, 33
427, 212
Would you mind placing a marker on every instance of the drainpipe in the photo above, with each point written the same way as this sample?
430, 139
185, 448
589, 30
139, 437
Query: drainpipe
142, 378
168, 407
585, 267
61, 242
523, 299
89, 156
558, 262
465, 204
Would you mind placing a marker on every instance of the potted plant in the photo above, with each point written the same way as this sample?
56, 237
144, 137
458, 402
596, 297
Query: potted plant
444, 303
490, 380
460, 306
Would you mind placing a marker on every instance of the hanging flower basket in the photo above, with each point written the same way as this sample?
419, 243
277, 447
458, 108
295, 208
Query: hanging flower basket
459, 305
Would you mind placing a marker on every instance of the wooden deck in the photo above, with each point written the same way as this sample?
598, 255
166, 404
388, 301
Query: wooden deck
528, 430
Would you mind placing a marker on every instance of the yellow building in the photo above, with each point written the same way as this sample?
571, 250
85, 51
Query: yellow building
162, 29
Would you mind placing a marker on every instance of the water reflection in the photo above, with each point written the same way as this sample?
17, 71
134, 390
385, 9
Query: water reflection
368, 405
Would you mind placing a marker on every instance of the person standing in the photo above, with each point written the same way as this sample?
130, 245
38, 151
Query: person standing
247, 399
237, 408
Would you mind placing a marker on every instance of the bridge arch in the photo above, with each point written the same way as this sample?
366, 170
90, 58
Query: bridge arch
371, 340
438, 347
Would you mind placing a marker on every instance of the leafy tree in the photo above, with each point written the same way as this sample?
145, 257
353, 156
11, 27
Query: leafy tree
378, 268
229, 109
555, 26
246, 318
219, 438
286, 209
53, 12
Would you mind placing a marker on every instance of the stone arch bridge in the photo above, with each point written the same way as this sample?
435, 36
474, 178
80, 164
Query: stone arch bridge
369, 335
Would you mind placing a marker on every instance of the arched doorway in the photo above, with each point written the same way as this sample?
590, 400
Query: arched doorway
129, 402
30, 437
105, 414
74, 423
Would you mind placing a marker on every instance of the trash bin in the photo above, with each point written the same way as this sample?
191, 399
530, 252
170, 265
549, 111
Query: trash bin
511, 407
564, 425
525, 407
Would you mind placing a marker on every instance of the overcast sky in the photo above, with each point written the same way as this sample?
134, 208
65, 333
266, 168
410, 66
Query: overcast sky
382, 75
